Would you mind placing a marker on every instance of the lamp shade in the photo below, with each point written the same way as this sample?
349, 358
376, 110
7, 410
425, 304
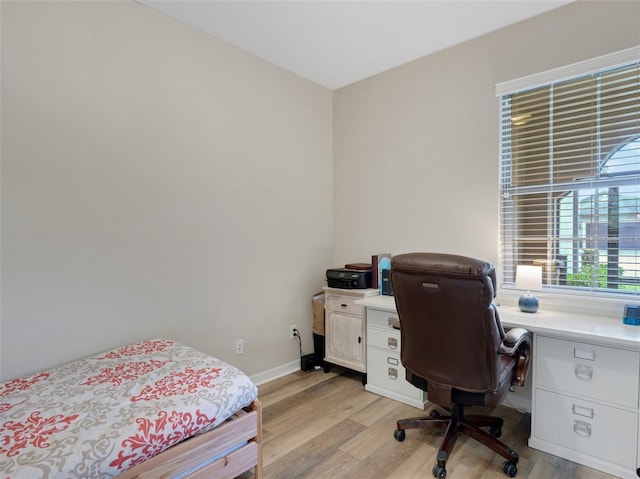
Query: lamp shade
529, 278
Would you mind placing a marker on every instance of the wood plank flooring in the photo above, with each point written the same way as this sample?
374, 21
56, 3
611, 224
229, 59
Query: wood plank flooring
320, 425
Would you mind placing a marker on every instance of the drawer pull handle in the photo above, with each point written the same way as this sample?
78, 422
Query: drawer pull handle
583, 411
588, 355
584, 372
394, 323
582, 428
393, 373
343, 305
392, 361
392, 343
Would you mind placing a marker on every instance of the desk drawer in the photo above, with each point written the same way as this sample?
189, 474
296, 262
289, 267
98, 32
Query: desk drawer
387, 340
343, 304
385, 371
382, 319
590, 428
597, 372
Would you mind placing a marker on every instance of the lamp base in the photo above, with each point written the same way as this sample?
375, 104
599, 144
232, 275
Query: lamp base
528, 303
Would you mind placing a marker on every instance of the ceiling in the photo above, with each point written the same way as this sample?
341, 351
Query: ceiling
335, 43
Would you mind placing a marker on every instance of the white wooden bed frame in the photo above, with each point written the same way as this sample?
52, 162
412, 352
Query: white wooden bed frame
244, 427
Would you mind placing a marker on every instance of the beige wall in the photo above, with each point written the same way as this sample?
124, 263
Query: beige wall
416, 148
156, 182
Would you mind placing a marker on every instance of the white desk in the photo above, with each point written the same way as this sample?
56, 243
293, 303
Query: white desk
585, 383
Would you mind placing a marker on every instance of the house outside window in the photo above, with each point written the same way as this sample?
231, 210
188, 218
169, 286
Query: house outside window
570, 176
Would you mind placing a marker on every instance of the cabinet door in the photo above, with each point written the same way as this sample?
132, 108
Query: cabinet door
345, 340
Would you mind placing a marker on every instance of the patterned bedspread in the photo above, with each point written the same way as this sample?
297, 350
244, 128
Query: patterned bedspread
99, 416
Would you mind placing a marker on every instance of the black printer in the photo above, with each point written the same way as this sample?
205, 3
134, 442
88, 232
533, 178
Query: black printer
345, 278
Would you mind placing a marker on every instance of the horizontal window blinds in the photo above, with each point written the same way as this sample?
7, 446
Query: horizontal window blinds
570, 181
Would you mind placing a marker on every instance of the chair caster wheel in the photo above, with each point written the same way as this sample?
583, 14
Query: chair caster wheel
434, 413
399, 434
439, 472
510, 468
496, 431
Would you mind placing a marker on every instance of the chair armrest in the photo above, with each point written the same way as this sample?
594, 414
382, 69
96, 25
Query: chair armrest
517, 343
512, 341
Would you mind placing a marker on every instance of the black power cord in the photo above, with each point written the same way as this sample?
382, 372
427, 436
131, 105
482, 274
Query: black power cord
296, 334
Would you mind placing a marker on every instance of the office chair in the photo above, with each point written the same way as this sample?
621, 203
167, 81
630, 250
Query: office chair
453, 347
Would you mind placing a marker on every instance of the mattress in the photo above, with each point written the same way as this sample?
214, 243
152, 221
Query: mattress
99, 416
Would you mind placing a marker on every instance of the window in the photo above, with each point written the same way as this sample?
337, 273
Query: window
570, 176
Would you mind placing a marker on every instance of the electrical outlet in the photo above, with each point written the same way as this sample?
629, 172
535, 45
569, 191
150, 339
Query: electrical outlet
292, 328
239, 346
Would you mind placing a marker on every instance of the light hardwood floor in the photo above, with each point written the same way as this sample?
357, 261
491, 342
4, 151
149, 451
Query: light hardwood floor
325, 425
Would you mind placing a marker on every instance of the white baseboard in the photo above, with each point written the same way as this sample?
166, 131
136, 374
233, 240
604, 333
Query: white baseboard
275, 373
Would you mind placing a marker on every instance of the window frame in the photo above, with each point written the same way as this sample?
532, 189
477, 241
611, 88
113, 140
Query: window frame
622, 58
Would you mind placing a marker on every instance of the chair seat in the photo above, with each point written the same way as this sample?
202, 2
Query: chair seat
471, 398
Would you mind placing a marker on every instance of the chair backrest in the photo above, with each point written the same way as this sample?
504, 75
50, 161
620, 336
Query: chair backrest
449, 327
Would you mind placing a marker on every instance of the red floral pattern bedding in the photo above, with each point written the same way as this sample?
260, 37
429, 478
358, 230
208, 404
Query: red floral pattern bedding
99, 416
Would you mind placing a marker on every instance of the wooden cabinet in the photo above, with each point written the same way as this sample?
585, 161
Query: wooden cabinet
345, 327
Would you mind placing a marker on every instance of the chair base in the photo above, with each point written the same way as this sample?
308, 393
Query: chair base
459, 423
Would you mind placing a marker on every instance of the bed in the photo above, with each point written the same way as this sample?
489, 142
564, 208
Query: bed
150, 410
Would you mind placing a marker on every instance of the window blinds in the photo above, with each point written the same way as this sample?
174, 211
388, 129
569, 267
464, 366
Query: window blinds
570, 179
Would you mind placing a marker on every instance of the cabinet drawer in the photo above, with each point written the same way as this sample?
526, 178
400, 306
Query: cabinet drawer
597, 372
343, 304
382, 319
387, 340
385, 371
590, 428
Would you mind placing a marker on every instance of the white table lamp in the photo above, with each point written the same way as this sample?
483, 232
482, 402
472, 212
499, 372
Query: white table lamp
528, 278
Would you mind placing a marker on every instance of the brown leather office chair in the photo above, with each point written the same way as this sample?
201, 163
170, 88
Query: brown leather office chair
454, 347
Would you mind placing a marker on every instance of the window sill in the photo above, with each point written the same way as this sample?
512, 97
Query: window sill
587, 304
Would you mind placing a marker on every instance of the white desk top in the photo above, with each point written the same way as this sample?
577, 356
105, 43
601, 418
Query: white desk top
380, 302
578, 327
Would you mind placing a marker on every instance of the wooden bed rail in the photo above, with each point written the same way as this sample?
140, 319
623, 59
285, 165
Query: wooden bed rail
230, 449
